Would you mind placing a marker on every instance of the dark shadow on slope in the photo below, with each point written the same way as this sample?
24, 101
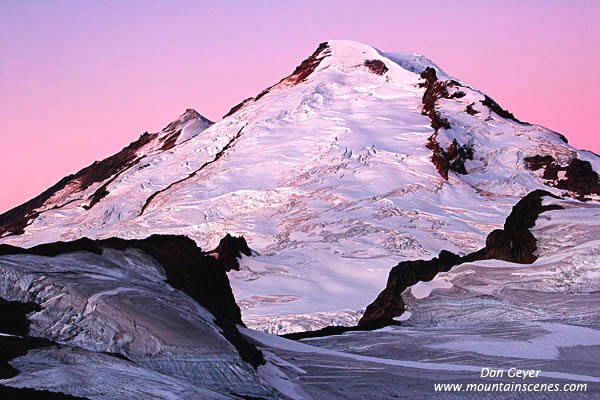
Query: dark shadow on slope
13, 316
11, 393
17, 346
14, 327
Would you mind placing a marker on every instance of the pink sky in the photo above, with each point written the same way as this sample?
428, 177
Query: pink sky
80, 80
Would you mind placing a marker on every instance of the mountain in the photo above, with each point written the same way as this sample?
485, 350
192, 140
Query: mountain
366, 189
356, 161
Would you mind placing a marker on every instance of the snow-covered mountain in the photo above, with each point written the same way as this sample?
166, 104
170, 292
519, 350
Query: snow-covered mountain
357, 160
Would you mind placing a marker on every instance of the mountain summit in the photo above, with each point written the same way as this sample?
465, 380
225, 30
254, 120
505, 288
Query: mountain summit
355, 161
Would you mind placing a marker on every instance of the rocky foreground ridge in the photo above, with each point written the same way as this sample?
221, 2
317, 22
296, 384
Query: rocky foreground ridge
153, 307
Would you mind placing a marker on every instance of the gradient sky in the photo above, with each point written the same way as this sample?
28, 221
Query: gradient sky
79, 80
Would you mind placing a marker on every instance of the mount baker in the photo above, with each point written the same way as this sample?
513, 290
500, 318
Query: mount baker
357, 160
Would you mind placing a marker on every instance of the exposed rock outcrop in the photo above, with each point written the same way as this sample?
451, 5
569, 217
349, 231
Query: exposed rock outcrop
514, 243
170, 140
578, 177
389, 304
434, 90
376, 67
231, 248
302, 71
454, 156
470, 110
495, 107
188, 115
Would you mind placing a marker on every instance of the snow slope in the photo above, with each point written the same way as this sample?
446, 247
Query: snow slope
328, 177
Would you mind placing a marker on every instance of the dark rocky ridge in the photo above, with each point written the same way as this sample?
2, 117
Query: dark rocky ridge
434, 90
327, 331
187, 268
495, 107
453, 158
300, 74
302, 71
515, 243
228, 251
234, 109
102, 191
170, 140
579, 179
14, 221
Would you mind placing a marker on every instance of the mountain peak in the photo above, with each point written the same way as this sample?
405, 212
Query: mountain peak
348, 56
191, 111
348, 49
189, 115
